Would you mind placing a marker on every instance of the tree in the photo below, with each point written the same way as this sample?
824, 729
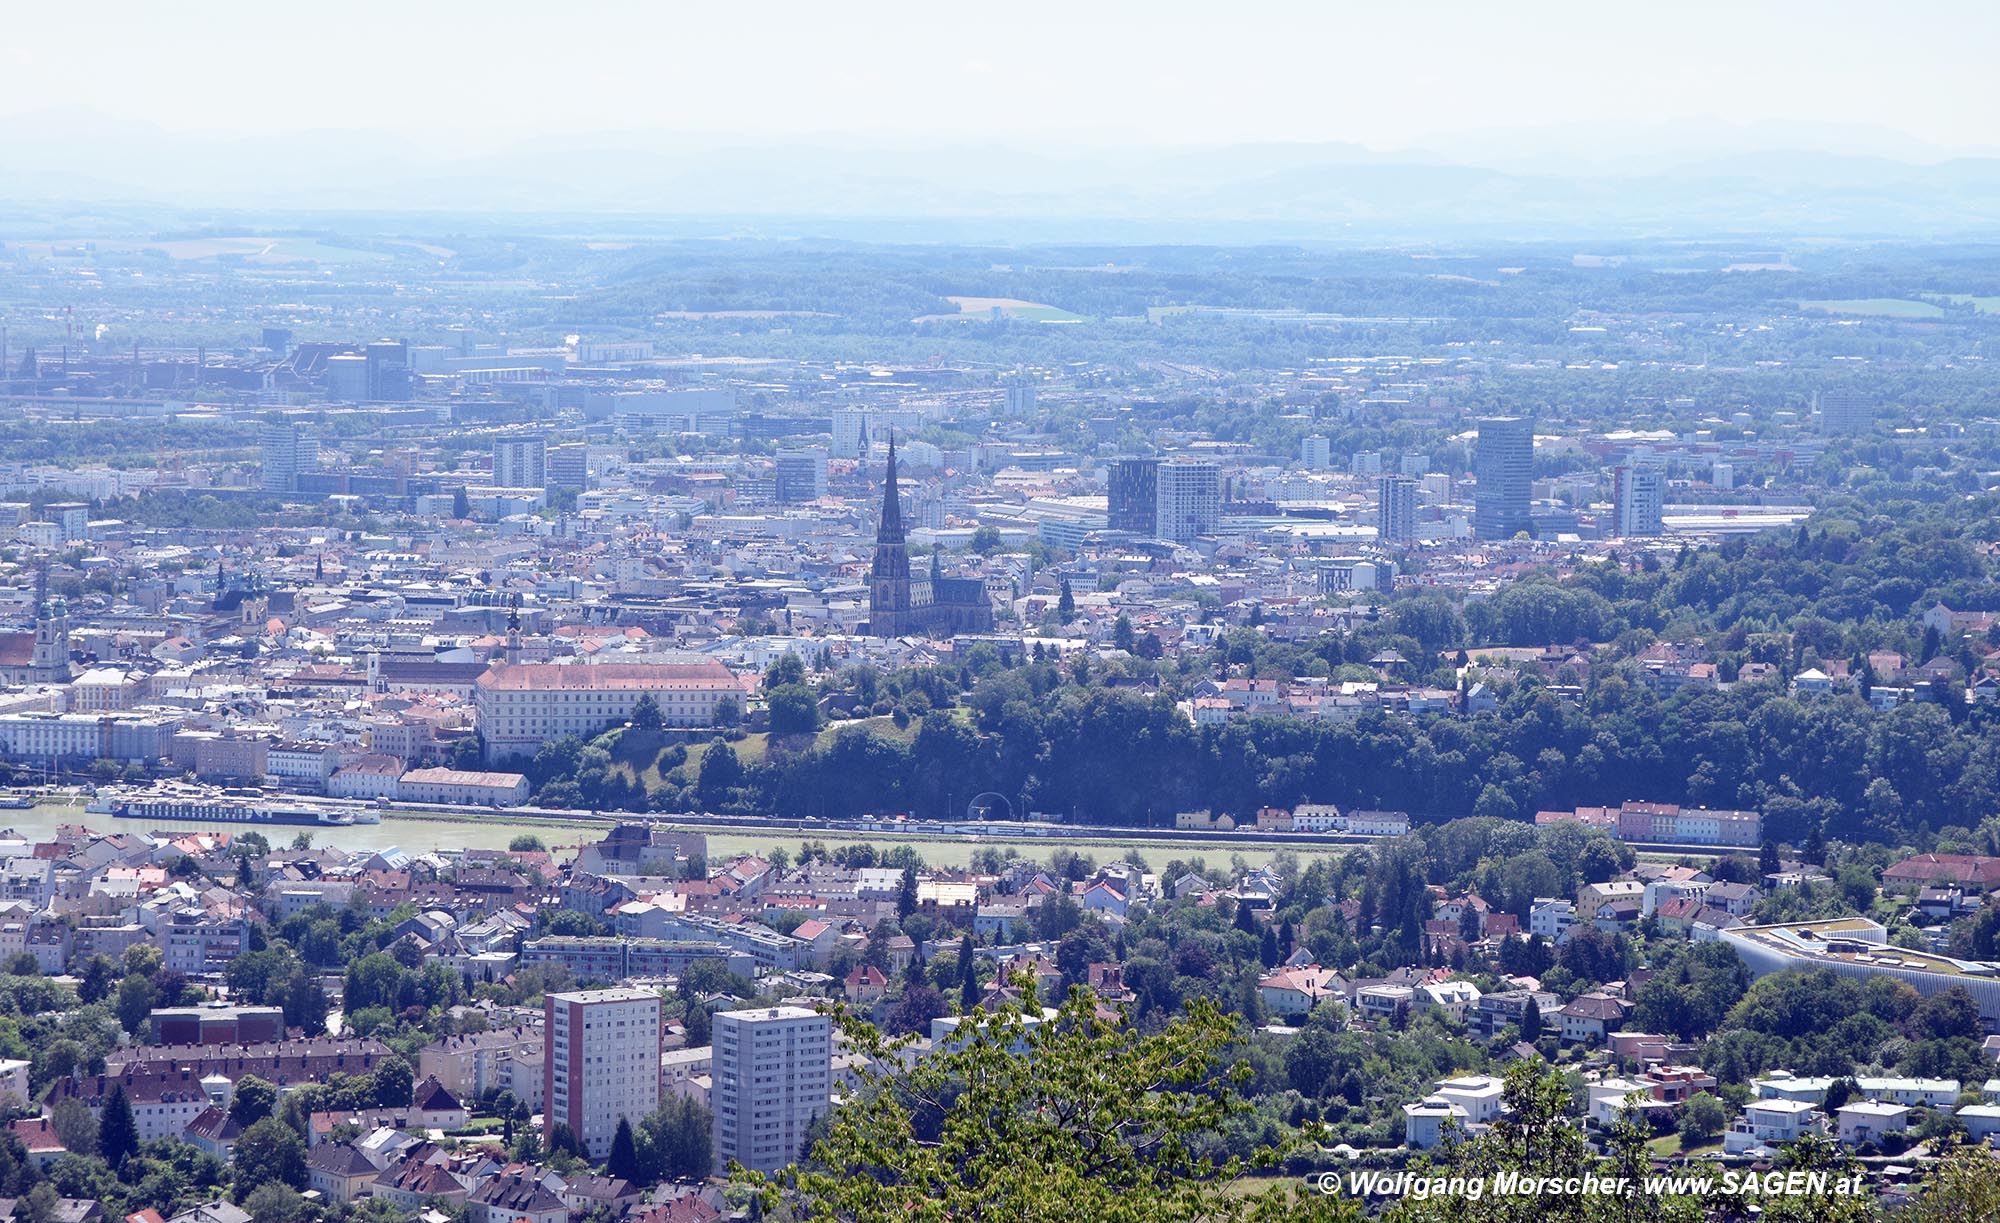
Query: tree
674, 1141
914, 1011
1702, 1119
794, 709
72, 1122
968, 976
253, 1100
272, 1202
1963, 1186
1079, 1118
461, 505
98, 975
526, 843
270, 1152
646, 714
394, 1083
720, 775
728, 712
563, 1141
1531, 1022
906, 894
623, 1161
698, 1026
117, 1129
1121, 634
986, 540
1066, 602
1311, 1061
787, 668
136, 1000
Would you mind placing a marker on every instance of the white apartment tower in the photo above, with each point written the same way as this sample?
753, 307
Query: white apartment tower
772, 1074
290, 450
1190, 499
600, 1062
520, 462
1316, 453
850, 433
1636, 501
1396, 510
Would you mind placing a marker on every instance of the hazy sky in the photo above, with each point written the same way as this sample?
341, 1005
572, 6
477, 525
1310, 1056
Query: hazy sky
1388, 75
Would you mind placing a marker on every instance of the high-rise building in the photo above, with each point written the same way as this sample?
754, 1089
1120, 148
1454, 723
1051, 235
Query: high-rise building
71, 517
1316, 453
1396, 510
772, 1074
1414, 465
347, 377
1503, 465
388, 370
600, 1062
1637, 494
1722, 476
850, 433
1134, 501
1365, 463
569, 467
1845, 412
799, 476
1190, 501
1020, 399
290, 451
520, 462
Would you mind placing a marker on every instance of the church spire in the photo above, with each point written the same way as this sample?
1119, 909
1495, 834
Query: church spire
891, 530
889, 577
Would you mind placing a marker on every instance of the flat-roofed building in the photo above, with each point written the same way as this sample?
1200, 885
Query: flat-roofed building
773, 1072
601, 1062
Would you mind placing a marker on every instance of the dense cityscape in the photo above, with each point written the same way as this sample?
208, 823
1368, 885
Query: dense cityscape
1333, 707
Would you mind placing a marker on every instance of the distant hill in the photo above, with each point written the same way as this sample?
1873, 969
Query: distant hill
1234, 193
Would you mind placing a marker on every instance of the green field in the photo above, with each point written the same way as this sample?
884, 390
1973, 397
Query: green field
1882, 307
975, 308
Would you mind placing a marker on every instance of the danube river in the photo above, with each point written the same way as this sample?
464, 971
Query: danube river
409, 832
418, 834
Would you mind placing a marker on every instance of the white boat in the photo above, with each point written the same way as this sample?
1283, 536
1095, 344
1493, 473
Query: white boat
229, 810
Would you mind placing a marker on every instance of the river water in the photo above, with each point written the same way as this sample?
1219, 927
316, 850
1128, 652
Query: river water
415, 834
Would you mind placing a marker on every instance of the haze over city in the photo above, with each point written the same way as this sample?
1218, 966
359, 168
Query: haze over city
1171, 613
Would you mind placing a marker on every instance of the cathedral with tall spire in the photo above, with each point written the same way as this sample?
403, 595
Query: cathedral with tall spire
931, 606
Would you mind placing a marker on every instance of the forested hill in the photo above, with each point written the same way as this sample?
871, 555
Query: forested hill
1055, 738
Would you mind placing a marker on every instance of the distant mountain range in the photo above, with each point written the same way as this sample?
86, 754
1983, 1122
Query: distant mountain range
1234, 193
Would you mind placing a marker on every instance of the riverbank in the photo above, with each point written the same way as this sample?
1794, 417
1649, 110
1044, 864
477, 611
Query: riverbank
430, 831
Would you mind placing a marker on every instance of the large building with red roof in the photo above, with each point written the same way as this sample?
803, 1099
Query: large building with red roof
524, 705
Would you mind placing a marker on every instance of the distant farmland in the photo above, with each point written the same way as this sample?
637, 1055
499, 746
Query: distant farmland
1881, 307
978, 308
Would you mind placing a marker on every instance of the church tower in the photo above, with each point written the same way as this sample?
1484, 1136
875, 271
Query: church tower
514, 629
51, 657
889, 579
